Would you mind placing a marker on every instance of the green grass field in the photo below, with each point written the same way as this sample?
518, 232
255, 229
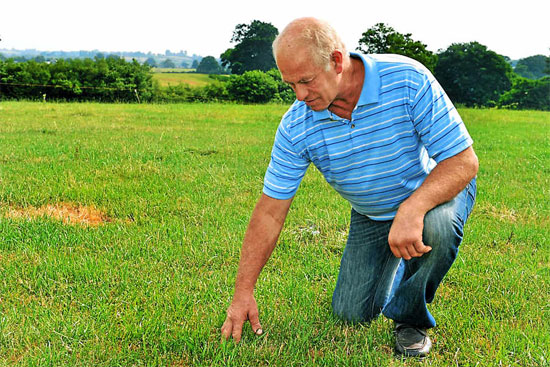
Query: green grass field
195, 80
176, 184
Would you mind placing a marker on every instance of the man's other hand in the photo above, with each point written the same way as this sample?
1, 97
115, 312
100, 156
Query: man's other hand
405, 238
241, 310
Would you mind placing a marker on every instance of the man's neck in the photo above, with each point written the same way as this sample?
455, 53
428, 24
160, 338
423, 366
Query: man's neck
351, 87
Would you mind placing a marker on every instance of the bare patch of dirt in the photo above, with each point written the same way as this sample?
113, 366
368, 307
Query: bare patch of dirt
68, 213
504, 214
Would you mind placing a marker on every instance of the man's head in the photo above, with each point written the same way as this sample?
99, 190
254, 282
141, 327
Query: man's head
313, 34
311, 57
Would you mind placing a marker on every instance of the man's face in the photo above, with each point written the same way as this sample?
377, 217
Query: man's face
311, 83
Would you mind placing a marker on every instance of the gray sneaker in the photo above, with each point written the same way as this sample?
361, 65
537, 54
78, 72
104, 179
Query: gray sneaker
411, 341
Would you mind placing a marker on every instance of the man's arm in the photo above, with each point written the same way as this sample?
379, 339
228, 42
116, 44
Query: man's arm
446, 180
260, 239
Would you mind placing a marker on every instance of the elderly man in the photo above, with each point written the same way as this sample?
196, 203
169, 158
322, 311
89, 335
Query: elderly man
387, 138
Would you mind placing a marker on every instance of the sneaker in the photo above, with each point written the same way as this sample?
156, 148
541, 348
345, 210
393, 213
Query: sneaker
411, 341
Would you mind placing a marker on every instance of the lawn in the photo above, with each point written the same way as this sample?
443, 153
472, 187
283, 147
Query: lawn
121, 226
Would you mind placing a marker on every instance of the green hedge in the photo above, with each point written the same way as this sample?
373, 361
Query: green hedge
109, 79
116, 80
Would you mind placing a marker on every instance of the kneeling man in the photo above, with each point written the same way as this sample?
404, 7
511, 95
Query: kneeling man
388, 139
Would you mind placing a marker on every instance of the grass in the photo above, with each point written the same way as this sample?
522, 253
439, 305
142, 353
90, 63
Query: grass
178, 182
195, 80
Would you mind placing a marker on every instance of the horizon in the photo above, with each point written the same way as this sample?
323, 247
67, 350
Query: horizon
188, 53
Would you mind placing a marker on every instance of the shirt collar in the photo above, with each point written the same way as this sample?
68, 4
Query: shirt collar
370, 90
371, 84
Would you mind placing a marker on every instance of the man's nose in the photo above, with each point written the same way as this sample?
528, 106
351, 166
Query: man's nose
301, 92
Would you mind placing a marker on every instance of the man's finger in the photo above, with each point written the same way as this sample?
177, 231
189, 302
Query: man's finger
237, 331
395, 251
255, 323
412, 251
227, 329
421, 248
405, 253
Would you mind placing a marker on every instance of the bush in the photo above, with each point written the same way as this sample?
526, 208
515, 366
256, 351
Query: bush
252, 87
527, 94
284, 93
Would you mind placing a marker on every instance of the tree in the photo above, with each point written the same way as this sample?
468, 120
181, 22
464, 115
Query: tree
151, 62
167, 64
195, 64
473, 75
382, 39
209, 65
253, 48
532, 67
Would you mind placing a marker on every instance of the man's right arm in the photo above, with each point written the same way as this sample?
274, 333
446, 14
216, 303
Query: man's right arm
260, 239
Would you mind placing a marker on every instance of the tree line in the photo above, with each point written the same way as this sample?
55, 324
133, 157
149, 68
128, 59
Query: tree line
471, 74
168, 59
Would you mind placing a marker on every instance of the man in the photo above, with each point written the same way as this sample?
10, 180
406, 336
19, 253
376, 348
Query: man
386, 137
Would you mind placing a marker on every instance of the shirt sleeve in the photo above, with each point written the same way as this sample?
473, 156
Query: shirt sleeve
437, 121
286, 168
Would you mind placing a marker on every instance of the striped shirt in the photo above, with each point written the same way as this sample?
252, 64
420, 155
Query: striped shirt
402, 126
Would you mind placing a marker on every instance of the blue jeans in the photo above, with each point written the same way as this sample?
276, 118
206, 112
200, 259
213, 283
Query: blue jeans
373, 281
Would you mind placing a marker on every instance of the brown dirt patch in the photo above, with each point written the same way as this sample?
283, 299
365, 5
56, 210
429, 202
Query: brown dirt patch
68, 213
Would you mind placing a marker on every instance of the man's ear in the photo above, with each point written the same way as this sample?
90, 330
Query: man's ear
337, 59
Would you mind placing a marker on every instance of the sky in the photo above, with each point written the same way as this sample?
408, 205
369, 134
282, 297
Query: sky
516, 29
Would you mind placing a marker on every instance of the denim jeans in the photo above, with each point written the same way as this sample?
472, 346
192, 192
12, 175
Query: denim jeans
373, 281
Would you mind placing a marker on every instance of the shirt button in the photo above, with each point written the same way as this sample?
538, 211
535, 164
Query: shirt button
352, 126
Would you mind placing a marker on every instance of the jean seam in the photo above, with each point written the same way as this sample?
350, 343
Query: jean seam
374, 298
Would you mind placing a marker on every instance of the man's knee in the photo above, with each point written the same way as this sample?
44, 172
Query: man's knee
355, 312
443, 230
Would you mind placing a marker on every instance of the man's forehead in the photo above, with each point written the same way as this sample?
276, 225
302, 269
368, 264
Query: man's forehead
295, 67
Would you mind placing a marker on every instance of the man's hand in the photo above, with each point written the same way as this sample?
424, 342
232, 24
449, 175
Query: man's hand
260, 239
405, 238
241, 310
444, 182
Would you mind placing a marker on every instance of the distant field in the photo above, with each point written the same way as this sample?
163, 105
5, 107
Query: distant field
195, 80
171, 70
121, 227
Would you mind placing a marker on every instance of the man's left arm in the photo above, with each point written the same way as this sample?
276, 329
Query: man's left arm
448, 178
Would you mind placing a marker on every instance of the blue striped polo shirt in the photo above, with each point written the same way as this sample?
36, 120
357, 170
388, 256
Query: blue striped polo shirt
402, 126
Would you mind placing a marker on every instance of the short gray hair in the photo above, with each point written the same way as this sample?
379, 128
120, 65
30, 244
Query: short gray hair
321, 38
